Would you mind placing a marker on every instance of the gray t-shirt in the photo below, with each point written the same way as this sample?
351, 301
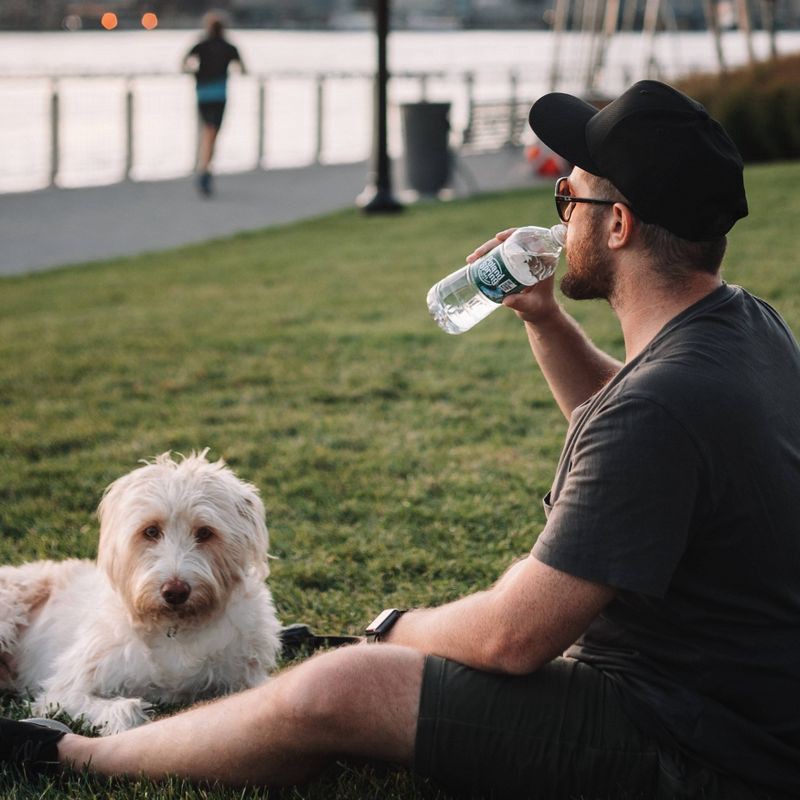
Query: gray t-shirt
679, 485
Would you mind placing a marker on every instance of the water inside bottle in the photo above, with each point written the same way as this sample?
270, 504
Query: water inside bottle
456, 305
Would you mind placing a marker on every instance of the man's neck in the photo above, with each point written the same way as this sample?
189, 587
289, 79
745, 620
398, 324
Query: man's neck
644, 309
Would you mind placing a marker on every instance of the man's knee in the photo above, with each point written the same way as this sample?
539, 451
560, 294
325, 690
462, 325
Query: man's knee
360, 700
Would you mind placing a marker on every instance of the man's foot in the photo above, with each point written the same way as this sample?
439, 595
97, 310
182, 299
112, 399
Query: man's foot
204, 184
30, 743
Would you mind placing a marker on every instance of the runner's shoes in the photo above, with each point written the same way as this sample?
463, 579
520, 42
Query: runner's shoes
204, 185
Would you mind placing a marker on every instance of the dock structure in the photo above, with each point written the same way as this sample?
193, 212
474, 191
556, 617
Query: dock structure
599, 20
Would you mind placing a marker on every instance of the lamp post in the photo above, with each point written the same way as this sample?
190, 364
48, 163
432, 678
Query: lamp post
377, 196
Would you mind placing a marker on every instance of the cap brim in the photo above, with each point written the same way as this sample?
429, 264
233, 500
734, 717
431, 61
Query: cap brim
559, 120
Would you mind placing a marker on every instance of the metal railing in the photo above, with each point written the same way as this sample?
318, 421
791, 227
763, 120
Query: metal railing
67, 132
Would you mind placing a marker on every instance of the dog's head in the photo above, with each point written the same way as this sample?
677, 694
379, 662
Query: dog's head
178, 536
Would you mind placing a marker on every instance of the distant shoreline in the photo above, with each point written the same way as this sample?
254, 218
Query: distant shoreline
315, 90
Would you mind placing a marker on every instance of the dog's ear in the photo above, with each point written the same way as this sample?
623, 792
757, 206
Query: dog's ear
251, 509
108, 513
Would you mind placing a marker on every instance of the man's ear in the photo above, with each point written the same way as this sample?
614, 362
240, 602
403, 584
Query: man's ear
621, 226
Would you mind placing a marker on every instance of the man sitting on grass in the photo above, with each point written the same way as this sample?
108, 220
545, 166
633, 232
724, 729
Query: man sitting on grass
648, 645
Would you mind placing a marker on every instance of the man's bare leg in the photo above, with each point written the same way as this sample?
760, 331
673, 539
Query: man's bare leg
359, 701
208, 139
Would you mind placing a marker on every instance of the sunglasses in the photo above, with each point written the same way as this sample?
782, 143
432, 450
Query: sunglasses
565, 202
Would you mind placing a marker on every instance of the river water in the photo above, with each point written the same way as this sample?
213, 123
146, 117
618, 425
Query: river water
90, 67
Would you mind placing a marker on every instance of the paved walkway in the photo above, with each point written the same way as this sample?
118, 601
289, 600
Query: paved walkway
56, 227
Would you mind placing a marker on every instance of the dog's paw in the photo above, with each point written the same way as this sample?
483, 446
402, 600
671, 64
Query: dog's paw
42, 706
121, 714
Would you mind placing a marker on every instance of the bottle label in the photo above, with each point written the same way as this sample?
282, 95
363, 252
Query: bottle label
492, 277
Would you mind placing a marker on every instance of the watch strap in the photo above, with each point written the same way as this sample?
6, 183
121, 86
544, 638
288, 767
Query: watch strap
383, 623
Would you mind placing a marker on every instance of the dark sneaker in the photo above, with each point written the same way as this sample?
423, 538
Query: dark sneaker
30, 743
204, 184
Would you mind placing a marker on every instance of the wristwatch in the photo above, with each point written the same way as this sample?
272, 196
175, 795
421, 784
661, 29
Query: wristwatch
382, 624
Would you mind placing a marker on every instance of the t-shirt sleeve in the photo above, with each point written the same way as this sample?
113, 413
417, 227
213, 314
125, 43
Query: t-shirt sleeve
623, 514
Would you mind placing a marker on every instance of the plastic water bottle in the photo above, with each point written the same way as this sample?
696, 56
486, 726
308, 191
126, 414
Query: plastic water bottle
468, 295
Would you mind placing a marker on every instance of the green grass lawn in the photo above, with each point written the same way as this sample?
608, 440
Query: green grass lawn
398, 465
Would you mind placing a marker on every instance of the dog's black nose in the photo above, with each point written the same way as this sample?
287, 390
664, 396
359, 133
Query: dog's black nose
176, 592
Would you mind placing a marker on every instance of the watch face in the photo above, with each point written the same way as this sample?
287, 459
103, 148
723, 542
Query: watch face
378, 622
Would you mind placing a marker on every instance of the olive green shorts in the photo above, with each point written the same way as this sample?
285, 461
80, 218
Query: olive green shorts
559, 733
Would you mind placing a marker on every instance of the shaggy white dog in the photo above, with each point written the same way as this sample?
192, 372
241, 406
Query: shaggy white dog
174, 610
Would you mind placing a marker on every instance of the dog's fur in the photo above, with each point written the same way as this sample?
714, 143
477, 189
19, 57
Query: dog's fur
104, 641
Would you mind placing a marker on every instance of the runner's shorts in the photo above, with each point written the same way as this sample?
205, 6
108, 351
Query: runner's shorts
558, 733
212, 113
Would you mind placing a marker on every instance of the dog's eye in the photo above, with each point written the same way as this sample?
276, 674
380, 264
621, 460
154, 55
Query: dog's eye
152, 532
203, 534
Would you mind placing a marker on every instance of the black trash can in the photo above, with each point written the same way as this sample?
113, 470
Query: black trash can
426, 130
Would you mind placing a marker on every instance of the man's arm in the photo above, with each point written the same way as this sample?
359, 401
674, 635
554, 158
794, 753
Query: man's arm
530, 616
237, 58
191, 61
572, 366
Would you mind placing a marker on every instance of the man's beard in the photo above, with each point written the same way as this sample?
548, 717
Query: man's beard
589, 275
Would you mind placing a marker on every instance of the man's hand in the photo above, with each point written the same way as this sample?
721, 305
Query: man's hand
537, 303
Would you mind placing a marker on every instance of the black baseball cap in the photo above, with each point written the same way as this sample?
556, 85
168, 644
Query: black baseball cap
675, 164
